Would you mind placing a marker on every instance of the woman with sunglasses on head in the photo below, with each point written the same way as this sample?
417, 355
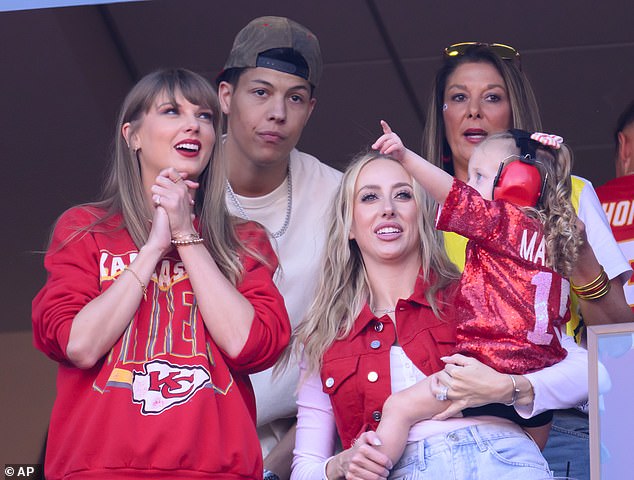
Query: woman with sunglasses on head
478, 91
384, 320
158, 304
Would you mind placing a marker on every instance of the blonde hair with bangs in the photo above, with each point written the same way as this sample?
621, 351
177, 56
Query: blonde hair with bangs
123, 191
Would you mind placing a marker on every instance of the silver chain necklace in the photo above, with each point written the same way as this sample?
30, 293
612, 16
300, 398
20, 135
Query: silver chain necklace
289, 204
382, 311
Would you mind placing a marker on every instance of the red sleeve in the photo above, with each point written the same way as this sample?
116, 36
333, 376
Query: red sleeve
493, 224
72, 265
466, 213
271, 328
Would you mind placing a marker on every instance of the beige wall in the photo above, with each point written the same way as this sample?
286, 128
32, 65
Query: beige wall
27, 379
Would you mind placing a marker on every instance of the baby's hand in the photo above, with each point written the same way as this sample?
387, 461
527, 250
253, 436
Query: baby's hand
389, 143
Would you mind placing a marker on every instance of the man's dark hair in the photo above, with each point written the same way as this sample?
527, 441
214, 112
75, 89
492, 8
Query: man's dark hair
625, 119
283, 55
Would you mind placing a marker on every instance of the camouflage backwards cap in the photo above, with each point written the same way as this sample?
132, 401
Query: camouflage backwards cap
269, 33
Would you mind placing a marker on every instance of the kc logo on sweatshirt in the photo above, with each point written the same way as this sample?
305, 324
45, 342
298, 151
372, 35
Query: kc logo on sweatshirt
163, 385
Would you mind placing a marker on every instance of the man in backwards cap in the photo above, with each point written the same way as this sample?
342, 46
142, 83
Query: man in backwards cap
266, 90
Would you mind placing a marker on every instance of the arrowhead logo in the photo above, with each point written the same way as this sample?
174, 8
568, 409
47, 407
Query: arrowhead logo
163, 385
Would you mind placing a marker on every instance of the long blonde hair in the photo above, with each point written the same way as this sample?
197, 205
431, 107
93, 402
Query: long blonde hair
123, 191
343, 287
555, 210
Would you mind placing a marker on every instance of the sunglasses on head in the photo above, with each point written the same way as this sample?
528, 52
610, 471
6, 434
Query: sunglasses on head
505, 52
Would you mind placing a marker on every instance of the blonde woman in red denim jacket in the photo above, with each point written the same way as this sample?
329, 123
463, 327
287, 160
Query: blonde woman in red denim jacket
381, 322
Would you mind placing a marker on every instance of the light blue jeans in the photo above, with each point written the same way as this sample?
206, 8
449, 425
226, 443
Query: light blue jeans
482, 452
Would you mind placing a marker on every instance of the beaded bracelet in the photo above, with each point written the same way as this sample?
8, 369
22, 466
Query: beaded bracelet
143, 287
594, 290
269, 475
190, 239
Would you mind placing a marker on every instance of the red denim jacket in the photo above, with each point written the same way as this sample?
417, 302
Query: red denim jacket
356, 369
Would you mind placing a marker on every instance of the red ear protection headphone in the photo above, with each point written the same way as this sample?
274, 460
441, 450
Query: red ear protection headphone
521, 181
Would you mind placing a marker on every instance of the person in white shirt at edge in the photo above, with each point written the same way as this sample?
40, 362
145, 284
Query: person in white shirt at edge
266, 91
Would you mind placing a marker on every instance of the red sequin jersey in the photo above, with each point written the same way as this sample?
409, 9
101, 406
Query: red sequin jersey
510, 302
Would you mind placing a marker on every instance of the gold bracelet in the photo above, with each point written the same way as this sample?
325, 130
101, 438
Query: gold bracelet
189, 239
143, 287
185, 236
594, 290
589, 286
595, 295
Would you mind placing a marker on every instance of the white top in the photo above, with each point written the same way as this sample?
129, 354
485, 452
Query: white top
299, 251
600, 234
562, 385
404, 374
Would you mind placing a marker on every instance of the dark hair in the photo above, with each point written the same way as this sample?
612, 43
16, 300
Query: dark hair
625, 119
283, 55
522, 100
230, 75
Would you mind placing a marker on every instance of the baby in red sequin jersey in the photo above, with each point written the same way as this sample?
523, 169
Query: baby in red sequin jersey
513, 297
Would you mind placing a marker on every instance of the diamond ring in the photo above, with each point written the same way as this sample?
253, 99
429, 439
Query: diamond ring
442, 396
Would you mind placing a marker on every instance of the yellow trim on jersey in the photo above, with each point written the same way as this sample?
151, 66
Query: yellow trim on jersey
573, 327
575, 195
455, 246
119, 375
